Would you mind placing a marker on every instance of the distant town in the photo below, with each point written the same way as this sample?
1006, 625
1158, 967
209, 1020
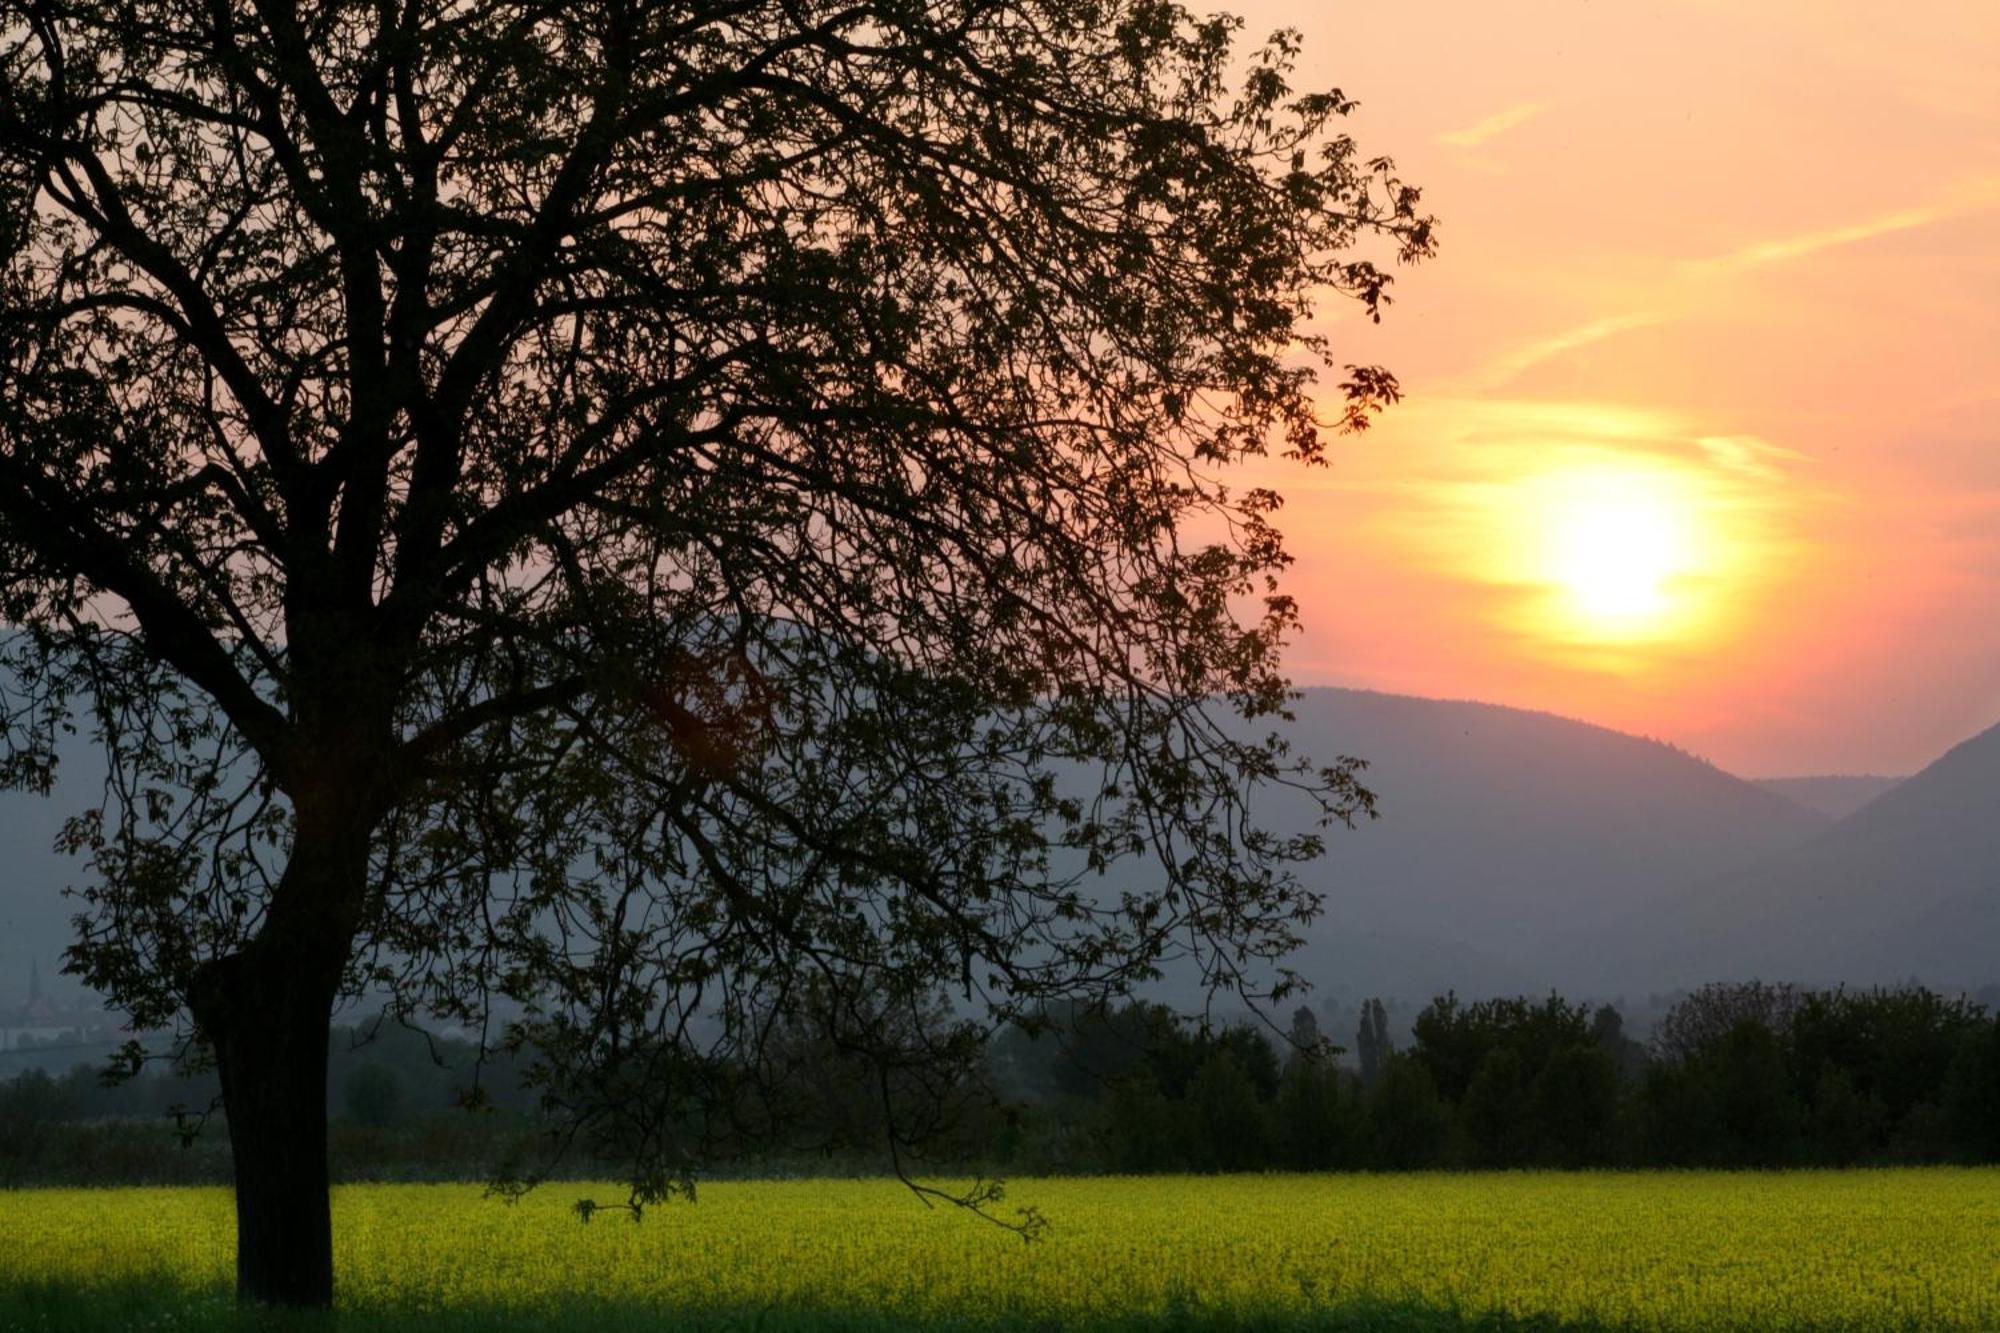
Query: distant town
54, 1024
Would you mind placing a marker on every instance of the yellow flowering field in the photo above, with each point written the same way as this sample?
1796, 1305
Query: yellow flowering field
1859, 1249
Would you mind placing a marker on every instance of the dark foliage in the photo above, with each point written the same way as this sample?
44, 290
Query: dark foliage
1519, 1083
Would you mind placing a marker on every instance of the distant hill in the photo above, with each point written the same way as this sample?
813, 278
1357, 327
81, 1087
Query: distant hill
1834, 797
1516, 851
1507, 836
1908, 885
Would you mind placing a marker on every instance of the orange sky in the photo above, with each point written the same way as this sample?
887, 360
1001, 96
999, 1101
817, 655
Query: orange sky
1703, 430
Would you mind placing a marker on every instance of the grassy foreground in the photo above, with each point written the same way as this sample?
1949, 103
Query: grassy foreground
1809, 1250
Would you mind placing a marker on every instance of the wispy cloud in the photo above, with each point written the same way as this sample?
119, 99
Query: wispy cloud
1750, 456
1509, 364
1493, 126
1968, 196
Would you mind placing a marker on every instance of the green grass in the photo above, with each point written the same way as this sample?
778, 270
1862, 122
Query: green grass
1857, 1250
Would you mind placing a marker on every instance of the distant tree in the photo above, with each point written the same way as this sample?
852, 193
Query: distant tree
1250, 1047
1896, 1044
32, 1099
1371, 1041
1303, 1039
1452, 1037
1607, 1029
1699, 1022
1073, 1050
617, 508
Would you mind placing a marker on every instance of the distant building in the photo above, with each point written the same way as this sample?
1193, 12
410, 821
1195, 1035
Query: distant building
40, 1021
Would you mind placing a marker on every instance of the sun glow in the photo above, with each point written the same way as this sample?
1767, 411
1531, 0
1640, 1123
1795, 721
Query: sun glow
1592, 538
1613, 551
1620, 551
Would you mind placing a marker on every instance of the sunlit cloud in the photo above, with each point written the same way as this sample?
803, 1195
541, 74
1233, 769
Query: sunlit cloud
1493, 126
1970, 196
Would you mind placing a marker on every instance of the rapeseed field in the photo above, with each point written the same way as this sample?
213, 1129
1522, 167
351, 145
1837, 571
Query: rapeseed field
1916, 1249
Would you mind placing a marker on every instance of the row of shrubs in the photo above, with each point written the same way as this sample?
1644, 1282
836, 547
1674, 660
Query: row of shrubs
1737, 1076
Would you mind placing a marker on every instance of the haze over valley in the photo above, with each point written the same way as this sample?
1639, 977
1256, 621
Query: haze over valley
1515, 852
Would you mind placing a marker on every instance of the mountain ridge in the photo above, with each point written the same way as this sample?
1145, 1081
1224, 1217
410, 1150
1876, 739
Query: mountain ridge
1509, 832
1909, 884
1835, 795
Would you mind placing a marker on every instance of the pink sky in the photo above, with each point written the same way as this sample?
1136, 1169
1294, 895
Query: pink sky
1737, 262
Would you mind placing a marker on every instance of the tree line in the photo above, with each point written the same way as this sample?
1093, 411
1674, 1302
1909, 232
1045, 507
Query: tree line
1734, 1075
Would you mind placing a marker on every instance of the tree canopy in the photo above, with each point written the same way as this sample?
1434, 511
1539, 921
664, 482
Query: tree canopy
678, 519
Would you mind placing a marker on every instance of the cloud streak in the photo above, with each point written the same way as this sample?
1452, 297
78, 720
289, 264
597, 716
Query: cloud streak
1967, 197
1493, 126
1508, 365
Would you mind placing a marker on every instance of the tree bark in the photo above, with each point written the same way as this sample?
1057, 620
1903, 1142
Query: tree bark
268, 1019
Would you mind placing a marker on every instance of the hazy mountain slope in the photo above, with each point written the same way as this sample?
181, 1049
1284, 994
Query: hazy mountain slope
1835, 797
1512, 834
1505, 837
1909, 884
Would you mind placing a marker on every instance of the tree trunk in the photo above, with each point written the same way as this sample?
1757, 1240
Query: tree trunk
267, 1012
268, 1017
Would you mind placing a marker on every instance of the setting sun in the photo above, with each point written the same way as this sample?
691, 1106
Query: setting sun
1614, 546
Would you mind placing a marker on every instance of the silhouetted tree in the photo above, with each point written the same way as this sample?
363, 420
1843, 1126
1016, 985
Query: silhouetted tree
621, 507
